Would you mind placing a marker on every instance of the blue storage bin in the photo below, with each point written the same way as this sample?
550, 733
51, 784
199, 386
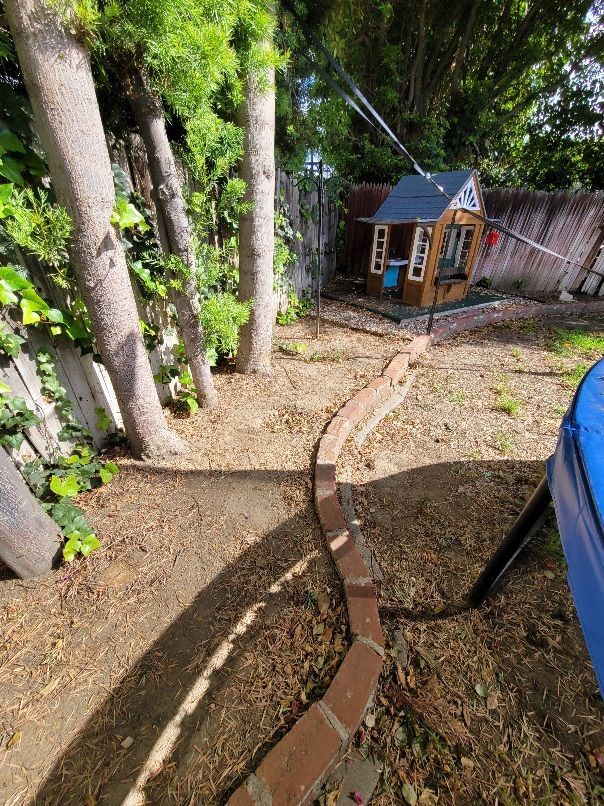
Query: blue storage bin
391, 277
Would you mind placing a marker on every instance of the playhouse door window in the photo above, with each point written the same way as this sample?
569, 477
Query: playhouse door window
379, 250
419, 255
465, 244
449, 245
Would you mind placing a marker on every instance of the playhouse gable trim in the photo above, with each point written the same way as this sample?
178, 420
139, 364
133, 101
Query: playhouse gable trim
469, 197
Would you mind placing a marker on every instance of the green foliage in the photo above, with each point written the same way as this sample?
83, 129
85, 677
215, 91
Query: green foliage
296, 309
37, 226
11, 161
151, 334
509, 405
293, 347
72, 428
57, 482
126, 216
152, 282
15, 417
284, 256
103, 420
186, 397
80, 17
504, 443
10, 343
514, 89
222, 316
43, 230
573, 377
217, 269
575, 341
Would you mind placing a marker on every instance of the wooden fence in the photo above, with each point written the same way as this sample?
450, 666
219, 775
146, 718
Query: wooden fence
300, 204
568, 223
362, 201
86, 382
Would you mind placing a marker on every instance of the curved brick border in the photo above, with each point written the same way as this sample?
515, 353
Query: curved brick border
293, 771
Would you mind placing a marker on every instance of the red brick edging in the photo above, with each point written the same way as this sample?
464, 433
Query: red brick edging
293, 771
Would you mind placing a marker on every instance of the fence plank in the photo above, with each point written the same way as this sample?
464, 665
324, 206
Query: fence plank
569, 224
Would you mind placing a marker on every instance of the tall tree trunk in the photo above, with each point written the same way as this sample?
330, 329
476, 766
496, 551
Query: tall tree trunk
149, 116
256, 227
56, 69
29, 540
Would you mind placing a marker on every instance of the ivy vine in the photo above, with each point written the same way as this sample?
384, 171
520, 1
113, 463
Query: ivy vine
15, 418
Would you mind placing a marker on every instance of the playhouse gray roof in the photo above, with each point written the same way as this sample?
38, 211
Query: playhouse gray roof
416, 199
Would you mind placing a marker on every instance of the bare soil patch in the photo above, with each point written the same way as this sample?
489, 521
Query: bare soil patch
498, 705
168, 663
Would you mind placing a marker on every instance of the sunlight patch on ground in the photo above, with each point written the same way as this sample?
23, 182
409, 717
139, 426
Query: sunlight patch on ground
169, 736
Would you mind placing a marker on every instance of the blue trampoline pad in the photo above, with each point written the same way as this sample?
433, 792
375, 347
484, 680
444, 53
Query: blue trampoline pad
576, 481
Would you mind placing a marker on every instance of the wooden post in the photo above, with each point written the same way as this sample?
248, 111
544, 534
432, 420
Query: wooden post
30, 543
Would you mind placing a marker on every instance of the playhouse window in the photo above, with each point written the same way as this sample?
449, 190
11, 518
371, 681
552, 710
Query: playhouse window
379, 247
448, 244
419, 255
465, 244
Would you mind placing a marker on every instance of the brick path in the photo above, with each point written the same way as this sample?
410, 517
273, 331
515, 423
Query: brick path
294, 770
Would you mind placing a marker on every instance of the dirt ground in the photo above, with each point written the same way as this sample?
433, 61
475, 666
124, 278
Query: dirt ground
163, 667
498, 705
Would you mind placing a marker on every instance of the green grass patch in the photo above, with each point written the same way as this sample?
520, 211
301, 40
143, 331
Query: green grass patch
293, 347
571, 378
509, 405
459, 396
568, 342
333, 357
503, 443
551, 544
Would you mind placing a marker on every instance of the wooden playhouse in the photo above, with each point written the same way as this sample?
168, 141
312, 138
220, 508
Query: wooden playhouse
421, 240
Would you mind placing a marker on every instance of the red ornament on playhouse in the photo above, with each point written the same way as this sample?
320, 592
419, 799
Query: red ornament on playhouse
492, 238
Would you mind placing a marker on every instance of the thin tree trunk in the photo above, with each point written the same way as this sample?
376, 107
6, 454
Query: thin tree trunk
149, 116
56, 69
29, 540
256, 227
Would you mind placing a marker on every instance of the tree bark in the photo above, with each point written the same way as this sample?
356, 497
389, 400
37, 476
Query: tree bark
56, 69
149, 115
256, 227
30, 543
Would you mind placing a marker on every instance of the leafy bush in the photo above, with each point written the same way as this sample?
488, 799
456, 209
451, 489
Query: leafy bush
296, 309
57, 482
41, 228
222, 316
293, 347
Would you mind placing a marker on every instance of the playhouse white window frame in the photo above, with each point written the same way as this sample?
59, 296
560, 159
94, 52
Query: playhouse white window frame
421, 249
467, 229
378, 255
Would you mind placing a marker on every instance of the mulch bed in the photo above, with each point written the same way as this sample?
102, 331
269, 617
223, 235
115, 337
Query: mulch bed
498, 705
171, 660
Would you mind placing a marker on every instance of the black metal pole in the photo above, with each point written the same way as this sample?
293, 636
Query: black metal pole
523, 529
320, 247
